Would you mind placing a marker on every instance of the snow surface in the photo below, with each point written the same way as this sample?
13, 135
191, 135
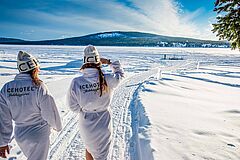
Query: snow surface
163, 109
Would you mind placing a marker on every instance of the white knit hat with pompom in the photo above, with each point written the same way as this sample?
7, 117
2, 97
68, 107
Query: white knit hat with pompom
26, 62
91, 55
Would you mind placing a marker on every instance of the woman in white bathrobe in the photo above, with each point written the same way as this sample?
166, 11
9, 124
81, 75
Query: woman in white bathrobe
90, 95
27, 101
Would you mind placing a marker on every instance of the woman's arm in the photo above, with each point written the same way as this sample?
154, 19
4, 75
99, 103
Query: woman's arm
5, 121
6, 127
117, 69
118, 72
116, 66
49, 109
72, 99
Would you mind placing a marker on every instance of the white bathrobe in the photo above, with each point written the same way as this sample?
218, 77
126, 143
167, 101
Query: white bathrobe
94, 115
34, 111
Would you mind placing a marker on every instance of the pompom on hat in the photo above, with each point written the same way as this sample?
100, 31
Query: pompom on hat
91, 55
26, 62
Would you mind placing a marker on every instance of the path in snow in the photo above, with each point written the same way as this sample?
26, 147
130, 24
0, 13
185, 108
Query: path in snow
122, 114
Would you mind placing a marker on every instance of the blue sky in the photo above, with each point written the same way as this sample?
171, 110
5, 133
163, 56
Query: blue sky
52, 19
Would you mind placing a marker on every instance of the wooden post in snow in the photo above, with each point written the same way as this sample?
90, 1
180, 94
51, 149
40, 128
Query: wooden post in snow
159, 74
198, 64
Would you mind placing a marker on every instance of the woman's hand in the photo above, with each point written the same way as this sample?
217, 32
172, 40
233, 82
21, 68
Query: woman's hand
3, 151
105, 61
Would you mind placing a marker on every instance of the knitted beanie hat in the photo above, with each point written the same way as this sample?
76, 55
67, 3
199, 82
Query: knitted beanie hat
91, 55
26, 62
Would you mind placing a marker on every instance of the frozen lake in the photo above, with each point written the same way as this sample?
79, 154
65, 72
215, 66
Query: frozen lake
175, 103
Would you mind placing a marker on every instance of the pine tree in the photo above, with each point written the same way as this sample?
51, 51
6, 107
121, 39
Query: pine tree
228, 21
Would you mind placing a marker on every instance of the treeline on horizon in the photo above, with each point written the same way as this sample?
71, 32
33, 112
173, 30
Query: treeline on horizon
123, 39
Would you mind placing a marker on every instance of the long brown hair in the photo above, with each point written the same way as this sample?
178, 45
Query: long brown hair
102, 81
34, 75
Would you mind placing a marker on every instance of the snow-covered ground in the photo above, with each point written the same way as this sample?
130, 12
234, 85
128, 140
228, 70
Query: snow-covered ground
184, 108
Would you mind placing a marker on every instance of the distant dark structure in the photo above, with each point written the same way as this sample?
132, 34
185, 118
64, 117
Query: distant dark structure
172, 57
165, 56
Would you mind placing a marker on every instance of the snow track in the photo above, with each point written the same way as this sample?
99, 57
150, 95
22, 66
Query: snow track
122, 115
75, 150
64, 138
68, 144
